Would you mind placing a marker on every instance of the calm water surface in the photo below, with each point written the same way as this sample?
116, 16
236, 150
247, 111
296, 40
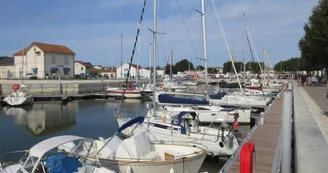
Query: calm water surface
21, 128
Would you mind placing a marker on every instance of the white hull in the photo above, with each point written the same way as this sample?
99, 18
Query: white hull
206, 139
116, 92
189, 165
18, 100
239, 101
208, 116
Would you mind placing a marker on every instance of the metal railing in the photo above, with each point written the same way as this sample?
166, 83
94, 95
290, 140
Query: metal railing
283, 157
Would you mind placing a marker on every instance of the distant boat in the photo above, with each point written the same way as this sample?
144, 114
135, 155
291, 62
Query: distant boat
19, 96
131, 90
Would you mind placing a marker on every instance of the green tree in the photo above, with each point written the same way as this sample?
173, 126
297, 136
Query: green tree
183, 65
200, 67
314, 43
167, 69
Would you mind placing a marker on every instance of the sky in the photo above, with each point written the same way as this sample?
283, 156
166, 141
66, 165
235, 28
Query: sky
92, 28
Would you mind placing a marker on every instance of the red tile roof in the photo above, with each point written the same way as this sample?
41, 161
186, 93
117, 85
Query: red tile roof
86, 64
110, 70
48, 48
136, 66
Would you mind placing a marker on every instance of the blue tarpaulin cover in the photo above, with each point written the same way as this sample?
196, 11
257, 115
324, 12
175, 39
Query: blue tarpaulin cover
165, 98
61, 163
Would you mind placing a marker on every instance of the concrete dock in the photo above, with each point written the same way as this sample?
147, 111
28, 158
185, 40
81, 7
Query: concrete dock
308, 149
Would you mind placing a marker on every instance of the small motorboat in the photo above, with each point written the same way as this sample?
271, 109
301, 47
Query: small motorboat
129, 90
53, 155
19, 96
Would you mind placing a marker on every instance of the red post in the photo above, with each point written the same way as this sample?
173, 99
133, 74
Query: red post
246, 157
287, 85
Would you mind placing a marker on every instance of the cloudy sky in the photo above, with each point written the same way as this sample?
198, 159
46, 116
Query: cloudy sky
92, 28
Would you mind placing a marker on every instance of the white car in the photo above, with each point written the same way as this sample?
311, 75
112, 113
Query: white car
30, 76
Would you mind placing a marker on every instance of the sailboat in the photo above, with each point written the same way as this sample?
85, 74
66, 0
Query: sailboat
183, 127
20, 96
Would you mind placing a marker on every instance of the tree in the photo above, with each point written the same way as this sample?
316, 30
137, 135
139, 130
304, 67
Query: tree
167, 69
200, 67
183, 65
253, 67
313, 45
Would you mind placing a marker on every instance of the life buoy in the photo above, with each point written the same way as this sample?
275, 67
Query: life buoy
15, 87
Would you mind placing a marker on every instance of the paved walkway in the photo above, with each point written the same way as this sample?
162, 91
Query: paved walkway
311, 129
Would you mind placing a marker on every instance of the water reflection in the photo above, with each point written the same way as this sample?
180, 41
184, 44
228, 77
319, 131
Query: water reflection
21, 128
42, 119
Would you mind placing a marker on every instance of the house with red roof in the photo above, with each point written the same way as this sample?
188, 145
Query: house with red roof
45, 61
83, 69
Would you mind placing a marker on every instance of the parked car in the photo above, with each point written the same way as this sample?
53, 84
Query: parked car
30, 76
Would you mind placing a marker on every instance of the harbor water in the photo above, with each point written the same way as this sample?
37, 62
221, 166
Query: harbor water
23, 127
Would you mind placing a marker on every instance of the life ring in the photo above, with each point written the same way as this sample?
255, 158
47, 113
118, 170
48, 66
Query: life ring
15, 87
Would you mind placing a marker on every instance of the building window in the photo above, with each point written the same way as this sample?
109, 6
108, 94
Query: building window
66, 60
38, 53
82, 68
66, 73
53, 60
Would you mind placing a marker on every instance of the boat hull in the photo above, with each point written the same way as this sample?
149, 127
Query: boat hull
18, 101
187, 165
127, 94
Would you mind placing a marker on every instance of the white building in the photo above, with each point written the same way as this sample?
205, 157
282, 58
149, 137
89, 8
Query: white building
160, 73
98, 67
109, 72
82, 69
7, 68
121, 72
43, 59
144, 73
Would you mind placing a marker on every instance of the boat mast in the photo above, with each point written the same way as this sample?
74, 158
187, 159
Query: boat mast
204, 43
138, 59
23, 45
154, 57
149, 63
171, 57
121, 55
244, 55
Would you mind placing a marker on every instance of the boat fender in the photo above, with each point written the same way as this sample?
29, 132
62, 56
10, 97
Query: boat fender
171, 170
164, 118
129, 169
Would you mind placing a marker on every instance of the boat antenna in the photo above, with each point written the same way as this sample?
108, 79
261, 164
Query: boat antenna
133, 51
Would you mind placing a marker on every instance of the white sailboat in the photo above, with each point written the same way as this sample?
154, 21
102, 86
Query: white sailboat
184, 126
19, 97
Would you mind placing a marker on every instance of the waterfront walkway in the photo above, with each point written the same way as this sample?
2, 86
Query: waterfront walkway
265, 139
311, 129
310, 149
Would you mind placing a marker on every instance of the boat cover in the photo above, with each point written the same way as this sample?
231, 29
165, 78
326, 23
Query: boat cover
165, 98
61, 163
